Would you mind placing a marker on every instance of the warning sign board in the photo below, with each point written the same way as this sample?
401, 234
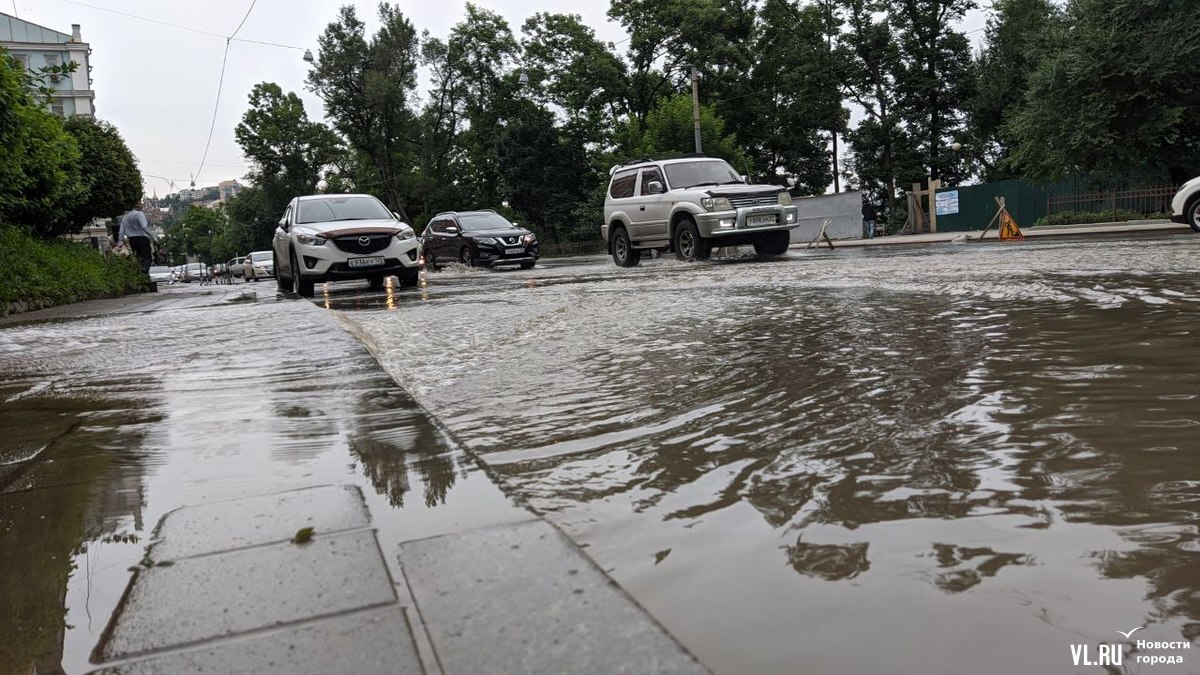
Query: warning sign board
1008, 227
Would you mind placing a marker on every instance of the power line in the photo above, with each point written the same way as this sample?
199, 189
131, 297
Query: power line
182, 27
221, 85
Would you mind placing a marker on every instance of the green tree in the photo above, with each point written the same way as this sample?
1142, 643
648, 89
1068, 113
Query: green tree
252, 217
669, 129
107, 173
1020, 34
201, 232
38, 159
367, 87
1120, 97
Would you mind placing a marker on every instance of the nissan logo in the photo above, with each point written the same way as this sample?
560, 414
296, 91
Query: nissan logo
364, 240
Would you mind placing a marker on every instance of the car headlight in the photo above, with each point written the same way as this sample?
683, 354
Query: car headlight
485, 240
529, 239
716, 203
406, 234
785, 199
309, 240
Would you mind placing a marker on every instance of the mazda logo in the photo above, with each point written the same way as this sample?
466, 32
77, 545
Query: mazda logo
364, 240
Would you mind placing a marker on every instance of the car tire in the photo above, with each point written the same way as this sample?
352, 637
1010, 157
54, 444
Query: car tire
408, 277
528, 265
1193, 213
428, 259
623, 252
688, 244
772, 243
375, 281
466, 257
300, 287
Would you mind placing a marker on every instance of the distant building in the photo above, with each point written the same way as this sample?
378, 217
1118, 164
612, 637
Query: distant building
36, 46
228, 188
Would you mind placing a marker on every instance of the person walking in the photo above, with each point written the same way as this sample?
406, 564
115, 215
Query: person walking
136, 230
869, 218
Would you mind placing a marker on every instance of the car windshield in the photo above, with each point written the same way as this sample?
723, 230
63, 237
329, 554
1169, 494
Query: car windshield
159, 270
481, 222
260, 256
692, 174
329, 209
193, 266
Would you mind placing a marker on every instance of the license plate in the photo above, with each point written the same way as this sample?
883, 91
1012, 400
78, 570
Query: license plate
513, 251
761, 220
373, 261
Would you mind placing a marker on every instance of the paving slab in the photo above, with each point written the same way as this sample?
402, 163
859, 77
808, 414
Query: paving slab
255, 521
374, 642
522, 599
224, 594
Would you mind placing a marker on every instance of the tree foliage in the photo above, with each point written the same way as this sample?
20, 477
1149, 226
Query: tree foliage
107, 173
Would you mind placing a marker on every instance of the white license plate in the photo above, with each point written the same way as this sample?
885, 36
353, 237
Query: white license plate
761, 220
373, 261
513, 251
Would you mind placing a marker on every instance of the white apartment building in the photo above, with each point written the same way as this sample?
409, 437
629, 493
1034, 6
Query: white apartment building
36, 46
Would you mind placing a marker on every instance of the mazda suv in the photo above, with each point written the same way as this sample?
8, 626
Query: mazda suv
342, 237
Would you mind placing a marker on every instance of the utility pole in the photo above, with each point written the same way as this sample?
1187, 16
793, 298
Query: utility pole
696, 107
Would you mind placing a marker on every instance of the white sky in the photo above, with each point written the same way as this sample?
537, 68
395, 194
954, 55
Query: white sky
158, 84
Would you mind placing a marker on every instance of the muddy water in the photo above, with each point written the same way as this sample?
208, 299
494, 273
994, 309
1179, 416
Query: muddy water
936, 460
112, 420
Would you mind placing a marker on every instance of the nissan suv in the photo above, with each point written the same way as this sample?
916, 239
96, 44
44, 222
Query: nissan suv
692, 205
483, 238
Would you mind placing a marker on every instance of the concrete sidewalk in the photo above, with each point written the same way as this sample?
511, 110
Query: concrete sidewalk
268, 417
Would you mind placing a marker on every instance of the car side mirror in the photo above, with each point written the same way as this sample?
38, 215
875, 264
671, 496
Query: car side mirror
452, 230
397, 216
655, 188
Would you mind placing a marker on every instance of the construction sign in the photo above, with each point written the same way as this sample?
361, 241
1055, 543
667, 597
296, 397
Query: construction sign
1008, 227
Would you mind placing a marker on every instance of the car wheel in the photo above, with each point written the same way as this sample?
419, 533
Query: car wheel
375, 281
772, 243
300, 287
1193, 212
428, 260
466, 257
688, 244
528, 265
409, 276
623, 252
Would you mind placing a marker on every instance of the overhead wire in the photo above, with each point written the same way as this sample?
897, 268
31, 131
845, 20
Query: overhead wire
220, 85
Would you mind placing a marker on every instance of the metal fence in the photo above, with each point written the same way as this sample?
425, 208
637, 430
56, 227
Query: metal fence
573, 248
1144, 201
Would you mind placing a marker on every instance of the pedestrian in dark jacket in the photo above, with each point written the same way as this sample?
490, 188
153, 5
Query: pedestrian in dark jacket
869, 218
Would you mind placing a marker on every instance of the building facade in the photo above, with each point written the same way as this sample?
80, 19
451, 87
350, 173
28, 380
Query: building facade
36, 47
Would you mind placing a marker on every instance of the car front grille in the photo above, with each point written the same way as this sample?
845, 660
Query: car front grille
366, 243
511, 241
741, 202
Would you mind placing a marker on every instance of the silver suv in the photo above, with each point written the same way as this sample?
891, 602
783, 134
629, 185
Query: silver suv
691, 205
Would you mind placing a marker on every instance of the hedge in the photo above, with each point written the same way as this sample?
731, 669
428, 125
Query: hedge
35, 274
1091, 217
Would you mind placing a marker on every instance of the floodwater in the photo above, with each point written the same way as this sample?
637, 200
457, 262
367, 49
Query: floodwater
938, 459
110, 421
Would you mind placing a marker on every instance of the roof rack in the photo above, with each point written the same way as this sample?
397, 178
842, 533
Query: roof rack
647, 160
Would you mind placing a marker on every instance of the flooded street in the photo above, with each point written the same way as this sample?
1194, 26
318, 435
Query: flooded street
938, 459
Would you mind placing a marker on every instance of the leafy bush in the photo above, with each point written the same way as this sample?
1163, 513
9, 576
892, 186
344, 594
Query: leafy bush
1089, 217
39, 274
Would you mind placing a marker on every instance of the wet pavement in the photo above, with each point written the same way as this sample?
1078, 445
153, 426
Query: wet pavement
941, 459
159, 452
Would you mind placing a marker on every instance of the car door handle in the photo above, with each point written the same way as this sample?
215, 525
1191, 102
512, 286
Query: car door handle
643, 208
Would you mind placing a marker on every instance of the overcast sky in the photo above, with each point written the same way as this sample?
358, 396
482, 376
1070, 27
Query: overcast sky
158, 84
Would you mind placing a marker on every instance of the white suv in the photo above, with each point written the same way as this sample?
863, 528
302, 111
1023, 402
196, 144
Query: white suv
338, 237
691, 205
1185, 207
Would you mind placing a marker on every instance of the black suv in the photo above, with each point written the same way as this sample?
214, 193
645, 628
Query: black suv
478, 238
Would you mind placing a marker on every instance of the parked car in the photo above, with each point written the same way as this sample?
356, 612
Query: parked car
195, 272
478, 238
692, 205
342, 237
258, 265
1185, 207
160, 273
235, 266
